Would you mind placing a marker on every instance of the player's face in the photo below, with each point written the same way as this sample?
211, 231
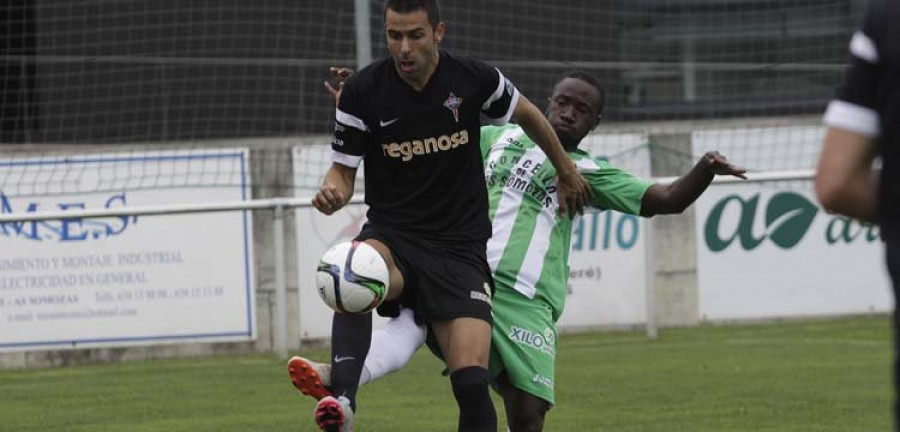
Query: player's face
413, 44
572, 111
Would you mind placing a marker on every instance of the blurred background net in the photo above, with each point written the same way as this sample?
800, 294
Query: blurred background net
190, 71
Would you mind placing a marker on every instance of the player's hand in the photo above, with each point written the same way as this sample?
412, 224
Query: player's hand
329, 199
719, 165
339, 75
573, 193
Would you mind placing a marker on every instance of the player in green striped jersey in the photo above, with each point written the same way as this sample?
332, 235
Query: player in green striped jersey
529, 249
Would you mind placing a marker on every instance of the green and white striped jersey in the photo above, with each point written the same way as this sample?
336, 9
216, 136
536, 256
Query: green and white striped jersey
529, 248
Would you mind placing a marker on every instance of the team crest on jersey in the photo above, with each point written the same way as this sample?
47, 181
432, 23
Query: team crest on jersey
452, 103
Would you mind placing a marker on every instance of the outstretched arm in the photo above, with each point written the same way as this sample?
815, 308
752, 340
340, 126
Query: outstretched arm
681, 193
573, 190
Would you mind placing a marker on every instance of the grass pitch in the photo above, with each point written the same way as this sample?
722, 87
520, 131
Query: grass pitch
803, 376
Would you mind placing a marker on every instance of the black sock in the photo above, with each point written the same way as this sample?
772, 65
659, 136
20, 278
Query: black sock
351, 336
476, 410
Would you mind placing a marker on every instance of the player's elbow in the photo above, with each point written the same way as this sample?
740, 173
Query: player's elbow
678, 208
663, 200
831, 191
664, 208
676, 202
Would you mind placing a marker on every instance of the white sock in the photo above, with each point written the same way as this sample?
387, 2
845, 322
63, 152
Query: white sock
392, 347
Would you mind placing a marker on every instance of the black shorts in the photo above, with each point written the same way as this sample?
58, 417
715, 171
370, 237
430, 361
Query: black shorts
441, 281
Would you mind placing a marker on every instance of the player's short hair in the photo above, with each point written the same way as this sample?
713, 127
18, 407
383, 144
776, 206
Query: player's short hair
430, 7
590, 79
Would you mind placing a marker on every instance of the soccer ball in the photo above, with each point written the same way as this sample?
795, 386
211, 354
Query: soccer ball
352, 278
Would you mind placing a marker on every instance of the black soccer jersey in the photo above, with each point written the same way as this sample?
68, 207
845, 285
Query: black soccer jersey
869, 101
423, 168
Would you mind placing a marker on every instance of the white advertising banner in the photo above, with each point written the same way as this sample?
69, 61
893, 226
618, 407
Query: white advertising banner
76, 283
606, 264
767, 250
606, 272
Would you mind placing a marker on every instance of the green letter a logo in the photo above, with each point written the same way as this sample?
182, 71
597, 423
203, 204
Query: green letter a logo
788, 218
744, 228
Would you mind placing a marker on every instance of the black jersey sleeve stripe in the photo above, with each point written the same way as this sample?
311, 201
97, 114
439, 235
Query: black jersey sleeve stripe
863, 48
351, 120
349, 142
345, 159
504, 119
351, 133
853, 118
857, 104
498, 91
499, 107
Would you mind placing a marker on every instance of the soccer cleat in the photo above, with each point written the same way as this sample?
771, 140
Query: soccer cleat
311, 378
334, 415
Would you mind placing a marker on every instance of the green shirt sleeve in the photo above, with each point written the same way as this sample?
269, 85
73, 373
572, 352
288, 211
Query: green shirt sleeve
614, 188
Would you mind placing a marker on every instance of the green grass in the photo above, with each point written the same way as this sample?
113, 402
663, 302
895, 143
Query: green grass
809, 376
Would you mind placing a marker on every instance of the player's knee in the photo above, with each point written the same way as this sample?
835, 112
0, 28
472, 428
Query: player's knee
469, 381
528, 412
465, 342
459, 359
525, 421
396, 278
